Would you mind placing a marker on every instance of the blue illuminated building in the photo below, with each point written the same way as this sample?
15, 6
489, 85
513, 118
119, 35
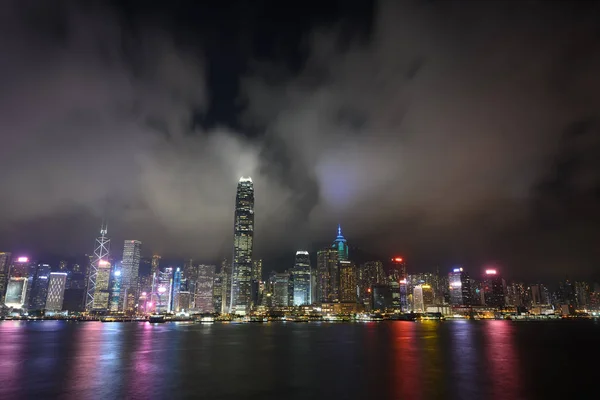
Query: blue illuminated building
340, 245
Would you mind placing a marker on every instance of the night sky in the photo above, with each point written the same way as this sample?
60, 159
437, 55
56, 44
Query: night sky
449, 132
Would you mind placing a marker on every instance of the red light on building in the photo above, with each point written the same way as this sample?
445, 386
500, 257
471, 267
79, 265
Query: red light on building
490, 272
369, 290
398, 259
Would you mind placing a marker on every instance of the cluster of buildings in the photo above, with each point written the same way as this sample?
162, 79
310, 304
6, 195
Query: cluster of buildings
336, 284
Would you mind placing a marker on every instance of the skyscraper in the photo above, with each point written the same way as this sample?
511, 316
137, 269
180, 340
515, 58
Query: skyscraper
423, 297
39, 287
340, 245
281, 289
204, 288
56, 291
129, 272
243, 233
102, 292
115, 290
257, 270
5, 258
327, 276
16, 292
301, 279
460, 287
493, 288
101, 253
348, 286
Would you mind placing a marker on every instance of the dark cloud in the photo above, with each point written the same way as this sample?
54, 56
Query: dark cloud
450, 132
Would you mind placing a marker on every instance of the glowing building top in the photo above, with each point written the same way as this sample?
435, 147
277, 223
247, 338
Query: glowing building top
340, 245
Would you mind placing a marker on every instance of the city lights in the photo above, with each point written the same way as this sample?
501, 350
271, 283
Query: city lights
490, 272
23, 259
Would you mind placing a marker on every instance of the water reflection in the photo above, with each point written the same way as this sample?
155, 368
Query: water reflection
407, 361
503, 360
11, 348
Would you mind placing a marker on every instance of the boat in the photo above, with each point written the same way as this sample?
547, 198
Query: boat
156, 319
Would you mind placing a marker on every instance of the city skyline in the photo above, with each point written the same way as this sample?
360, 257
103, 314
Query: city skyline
429, 147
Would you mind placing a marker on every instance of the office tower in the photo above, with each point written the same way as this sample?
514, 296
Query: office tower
257, 270
381, 297
227, 277
301, 279
102, 292
242, 247
423, 297
313, 287
130, 267
459, 287
191, 273
176, 289
115, 291
56, 291
155, 264
582, 294
539, 295
327, 276
16, 292
340, 245
204, 289
5, 258
281, 289
493, 289
39, 287
63, 266
21, 268
219, 288
348, 284
371, 273
397, 279
164, 289
101, 254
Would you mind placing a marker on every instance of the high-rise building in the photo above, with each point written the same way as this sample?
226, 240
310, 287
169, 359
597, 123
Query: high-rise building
460, 287
242, 247
176, 289
423, 297
219, 293
115, 291
494, 289
21, 267
327, 276
5, 258
539, 295
39, 287
398, 282
340, 245
155, 264
301, 279
371, 273
56, 291
227, 277
101, 254
281, 289
16, 292
164, 290
130, 267
257, 270
204, 288
102, 292
348, 284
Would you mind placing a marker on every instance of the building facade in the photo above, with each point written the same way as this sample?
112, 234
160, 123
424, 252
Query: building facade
327, 276
243, 236
301, 279
56, 291
130, 267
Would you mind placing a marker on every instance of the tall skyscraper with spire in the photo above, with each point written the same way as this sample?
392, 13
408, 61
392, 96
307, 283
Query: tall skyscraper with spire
101, 254
243, 235
340, 245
